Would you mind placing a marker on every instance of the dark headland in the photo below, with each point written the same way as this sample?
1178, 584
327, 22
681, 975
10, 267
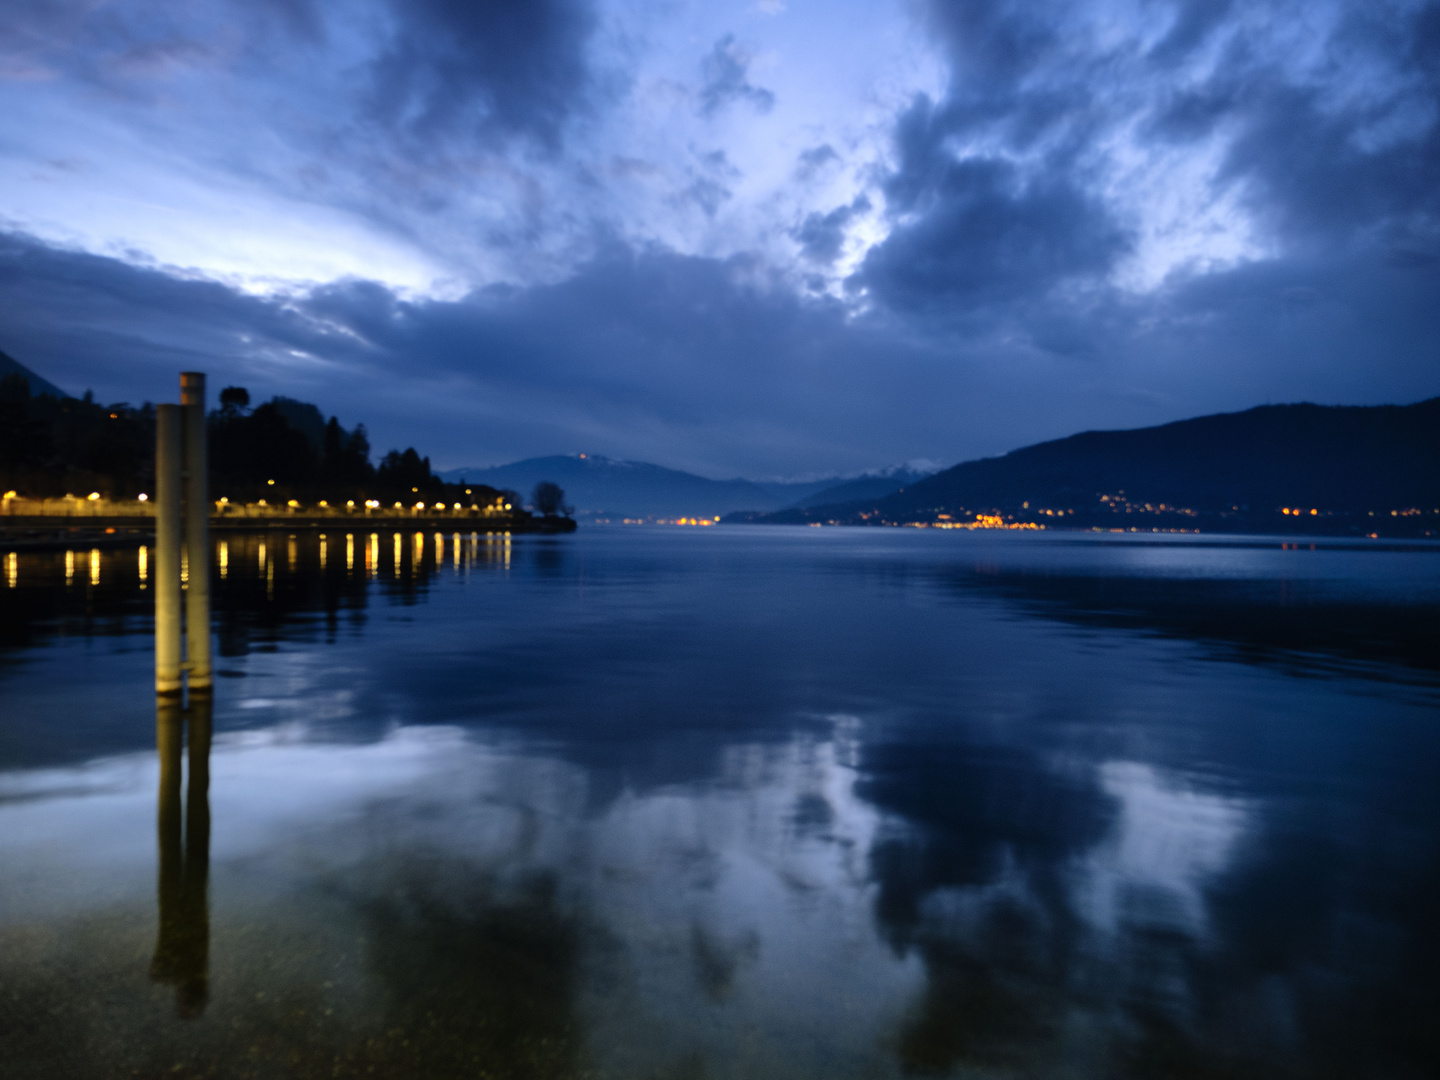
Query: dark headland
73, 468
1311, 469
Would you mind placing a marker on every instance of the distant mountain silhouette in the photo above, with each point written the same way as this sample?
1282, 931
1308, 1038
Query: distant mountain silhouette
871, 486
1351, 465
10, 366
599, 485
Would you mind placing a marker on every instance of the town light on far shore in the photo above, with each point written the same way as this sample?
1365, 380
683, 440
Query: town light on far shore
94, 496
142, 497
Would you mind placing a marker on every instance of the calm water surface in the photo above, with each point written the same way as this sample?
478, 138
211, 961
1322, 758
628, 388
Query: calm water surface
728, 803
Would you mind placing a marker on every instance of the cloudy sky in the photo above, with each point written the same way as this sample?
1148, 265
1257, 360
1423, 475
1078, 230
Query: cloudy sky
769, 238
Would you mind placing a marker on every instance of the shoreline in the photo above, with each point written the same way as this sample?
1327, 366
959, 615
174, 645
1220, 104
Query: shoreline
37, 533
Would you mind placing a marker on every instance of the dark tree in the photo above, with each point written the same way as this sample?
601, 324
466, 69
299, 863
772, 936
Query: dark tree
25, 438
406, 473
260, 447
549, 498
234, 400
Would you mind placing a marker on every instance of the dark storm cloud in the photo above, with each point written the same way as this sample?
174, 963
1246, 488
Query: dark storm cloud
984, 230
1326, 159
1000, 191
444, 68
726, 73
821, 236
457, 65
639, 354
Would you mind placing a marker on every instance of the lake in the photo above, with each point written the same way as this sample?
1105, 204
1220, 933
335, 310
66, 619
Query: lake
728, 802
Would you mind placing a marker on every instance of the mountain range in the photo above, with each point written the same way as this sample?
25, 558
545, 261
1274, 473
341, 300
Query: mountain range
1339, 469
598, 486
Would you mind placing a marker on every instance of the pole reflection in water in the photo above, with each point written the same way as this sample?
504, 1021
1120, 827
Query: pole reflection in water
182, 946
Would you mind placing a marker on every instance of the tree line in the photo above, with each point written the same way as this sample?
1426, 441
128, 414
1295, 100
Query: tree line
280, 450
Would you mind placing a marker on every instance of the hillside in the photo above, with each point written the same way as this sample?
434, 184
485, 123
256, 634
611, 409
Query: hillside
1350, 465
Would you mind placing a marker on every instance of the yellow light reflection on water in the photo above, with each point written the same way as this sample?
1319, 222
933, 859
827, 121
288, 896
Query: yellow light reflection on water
69, 567
12, 569
419, 555
290, 554
455, 544
94, 566
349, 552
396, 567
145, 563
224, 560
261, 556
439, 551
184, 568
372, 556
322, 551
